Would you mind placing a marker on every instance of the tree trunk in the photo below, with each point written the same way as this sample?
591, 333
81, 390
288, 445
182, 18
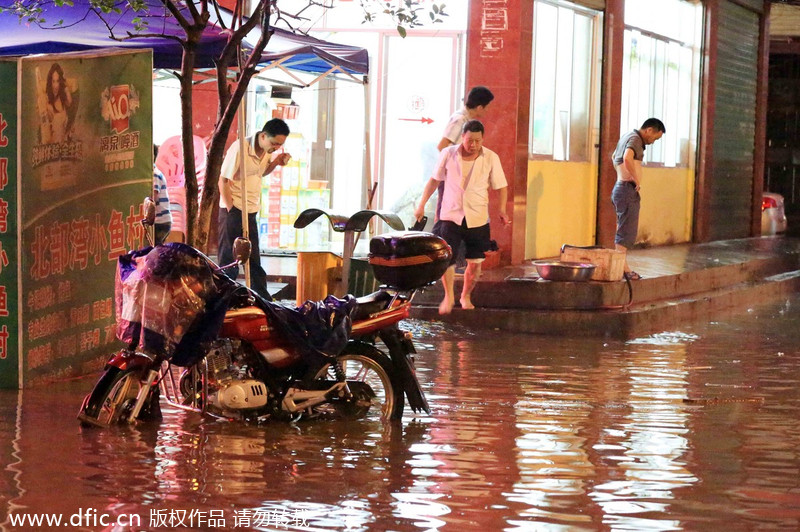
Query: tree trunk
187, 137
226, 112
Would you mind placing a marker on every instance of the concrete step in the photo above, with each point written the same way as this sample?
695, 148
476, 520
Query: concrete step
638, 319
528, 292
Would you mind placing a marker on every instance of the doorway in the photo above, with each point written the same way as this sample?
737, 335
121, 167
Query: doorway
418, 98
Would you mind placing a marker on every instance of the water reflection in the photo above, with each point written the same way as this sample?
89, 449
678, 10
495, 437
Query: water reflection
648, 445
682, 430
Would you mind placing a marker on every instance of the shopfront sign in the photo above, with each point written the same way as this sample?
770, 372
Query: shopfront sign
9, 346
75, 187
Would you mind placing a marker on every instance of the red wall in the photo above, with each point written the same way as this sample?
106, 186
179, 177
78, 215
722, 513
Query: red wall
499, 57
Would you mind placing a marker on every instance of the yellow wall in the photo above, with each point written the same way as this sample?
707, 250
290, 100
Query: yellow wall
667, 206
562, 206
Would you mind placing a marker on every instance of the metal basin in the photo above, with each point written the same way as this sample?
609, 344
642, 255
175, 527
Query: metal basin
556, 270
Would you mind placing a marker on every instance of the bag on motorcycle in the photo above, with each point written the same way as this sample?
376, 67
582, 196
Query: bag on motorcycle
162, 295
408, 259
320, 329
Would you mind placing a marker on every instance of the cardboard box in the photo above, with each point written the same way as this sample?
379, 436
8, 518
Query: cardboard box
610, 263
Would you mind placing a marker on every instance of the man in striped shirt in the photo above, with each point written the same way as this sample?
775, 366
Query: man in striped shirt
163, 223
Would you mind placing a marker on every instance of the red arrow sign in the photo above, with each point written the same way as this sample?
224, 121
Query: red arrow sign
423, 120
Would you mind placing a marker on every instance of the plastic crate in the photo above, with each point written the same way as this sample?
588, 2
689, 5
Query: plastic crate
361, 280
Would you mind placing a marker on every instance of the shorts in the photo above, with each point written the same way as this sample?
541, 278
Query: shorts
475, 239
626, 200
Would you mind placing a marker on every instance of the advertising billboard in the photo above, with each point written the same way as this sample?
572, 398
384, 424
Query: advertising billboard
83, 166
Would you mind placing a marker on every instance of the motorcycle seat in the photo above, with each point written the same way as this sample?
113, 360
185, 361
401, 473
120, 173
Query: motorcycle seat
370, 304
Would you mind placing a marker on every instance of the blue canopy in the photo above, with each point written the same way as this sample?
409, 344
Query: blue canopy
82, 29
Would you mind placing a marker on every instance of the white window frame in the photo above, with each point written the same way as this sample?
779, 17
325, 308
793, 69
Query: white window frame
666, 85
568, 136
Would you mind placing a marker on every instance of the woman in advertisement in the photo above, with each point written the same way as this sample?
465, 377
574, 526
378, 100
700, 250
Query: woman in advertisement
56, 107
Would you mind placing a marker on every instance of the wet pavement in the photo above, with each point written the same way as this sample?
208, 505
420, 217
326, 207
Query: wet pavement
683, 430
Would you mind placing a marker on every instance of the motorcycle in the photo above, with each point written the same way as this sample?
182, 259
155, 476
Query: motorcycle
209, 344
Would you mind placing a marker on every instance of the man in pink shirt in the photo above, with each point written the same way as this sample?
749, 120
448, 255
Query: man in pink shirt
468, 171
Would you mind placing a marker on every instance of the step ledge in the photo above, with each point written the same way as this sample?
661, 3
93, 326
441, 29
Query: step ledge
627, 323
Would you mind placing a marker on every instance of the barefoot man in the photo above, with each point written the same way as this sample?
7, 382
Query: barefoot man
468, 171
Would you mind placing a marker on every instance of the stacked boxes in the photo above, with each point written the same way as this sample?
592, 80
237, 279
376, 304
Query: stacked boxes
273, 207
286, 193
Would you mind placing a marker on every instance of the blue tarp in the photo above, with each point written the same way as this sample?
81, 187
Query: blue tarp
85, 30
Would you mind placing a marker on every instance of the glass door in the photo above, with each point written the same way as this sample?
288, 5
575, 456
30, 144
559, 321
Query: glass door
423, 87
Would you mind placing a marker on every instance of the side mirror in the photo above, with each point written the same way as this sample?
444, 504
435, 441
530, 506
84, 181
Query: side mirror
149, 210
241, 250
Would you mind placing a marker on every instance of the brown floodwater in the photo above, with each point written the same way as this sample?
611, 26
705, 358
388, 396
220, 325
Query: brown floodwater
685, 430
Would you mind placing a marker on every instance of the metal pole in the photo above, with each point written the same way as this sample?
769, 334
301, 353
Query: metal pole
347, 255
243, 178
367, 170
243, 158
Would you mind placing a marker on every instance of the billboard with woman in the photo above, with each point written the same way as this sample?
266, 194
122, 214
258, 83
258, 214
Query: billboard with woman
82, 167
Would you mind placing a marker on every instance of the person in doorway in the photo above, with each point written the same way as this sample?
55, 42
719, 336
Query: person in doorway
475, 106
259, 161
163, 222
625, 196
468, 171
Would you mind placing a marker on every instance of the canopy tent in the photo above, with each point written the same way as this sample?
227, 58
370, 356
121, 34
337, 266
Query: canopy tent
83, 29
302, 52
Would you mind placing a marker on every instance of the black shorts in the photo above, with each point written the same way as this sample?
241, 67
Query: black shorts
476, 239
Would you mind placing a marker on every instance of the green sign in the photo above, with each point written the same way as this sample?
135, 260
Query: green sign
9, 342
85, 165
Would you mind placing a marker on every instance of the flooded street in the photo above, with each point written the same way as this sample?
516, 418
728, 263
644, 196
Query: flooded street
689, 430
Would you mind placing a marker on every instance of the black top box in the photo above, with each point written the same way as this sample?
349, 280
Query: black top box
407, 260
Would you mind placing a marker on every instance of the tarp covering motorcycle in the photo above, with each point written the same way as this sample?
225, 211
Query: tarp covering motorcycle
168, 300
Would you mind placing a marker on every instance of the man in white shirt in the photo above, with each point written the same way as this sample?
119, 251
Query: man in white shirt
258, 162
468, 171
475, 106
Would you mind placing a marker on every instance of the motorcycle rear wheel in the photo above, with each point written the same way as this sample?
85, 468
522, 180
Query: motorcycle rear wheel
112, 398
372, 370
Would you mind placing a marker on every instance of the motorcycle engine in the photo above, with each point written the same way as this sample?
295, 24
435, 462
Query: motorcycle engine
241, 395
230, 388
220, 361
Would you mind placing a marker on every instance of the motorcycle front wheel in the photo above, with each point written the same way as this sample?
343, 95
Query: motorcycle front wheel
371, 380
112, 398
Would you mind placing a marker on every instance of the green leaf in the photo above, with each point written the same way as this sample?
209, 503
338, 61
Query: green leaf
402, 31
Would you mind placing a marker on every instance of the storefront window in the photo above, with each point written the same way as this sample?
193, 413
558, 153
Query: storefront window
326, 156
660, 77
564, 80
